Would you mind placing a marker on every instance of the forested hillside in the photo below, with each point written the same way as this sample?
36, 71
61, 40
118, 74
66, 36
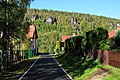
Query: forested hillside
51, 25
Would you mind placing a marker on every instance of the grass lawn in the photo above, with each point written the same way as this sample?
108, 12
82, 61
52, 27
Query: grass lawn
17, 70
87, 68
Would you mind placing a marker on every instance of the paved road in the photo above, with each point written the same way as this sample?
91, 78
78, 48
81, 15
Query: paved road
45, 68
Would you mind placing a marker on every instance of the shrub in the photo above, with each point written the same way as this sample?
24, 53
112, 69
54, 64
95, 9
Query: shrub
57, 47
105, 44
101, 34
94, 37
117, 35
72, 46
117, 38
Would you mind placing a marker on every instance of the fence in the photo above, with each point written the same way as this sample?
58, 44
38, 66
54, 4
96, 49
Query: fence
107, 57
12, 57
20, 55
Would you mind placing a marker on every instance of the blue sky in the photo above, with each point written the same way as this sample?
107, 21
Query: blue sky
108, 8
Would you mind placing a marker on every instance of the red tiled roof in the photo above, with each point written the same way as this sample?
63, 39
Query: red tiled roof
111, 34
65, 37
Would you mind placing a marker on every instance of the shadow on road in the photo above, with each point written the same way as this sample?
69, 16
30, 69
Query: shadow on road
40, 53
46, 69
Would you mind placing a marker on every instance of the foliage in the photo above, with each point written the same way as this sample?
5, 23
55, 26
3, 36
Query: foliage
57, 47
105, 44
48, 32
101, 35
87, 22
17, 70
94, 37
78, 66
52, 46
73, 46
117, 35
85, 69
117, 38
12, 14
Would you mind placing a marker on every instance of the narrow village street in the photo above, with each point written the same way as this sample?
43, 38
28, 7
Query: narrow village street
45, 68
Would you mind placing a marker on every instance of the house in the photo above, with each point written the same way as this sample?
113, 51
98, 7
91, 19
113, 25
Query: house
63, 40
32, 34
113, 32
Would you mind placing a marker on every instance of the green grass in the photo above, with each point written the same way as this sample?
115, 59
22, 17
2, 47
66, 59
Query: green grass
84, 68
17, 70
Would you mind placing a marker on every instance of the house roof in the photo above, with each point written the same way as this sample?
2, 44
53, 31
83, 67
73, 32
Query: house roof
112, 33
65, 37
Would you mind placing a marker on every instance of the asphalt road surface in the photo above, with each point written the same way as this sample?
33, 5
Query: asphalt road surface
45, 68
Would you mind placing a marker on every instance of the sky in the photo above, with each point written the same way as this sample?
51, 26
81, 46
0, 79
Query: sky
108, 8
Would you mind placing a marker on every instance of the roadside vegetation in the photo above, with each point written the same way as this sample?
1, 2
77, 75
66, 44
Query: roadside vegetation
50, 33
87, 69
77, 61
17, 70
91, 32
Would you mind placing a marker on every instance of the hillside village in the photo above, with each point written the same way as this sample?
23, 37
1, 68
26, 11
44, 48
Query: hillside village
66, 24
79, 41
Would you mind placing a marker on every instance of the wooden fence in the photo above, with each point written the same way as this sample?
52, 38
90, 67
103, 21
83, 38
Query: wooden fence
107, 57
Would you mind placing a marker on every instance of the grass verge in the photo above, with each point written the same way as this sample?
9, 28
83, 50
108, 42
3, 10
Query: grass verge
17, 70
81, 68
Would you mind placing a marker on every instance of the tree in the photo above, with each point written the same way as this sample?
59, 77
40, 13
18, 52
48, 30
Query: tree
11, 16
117, 38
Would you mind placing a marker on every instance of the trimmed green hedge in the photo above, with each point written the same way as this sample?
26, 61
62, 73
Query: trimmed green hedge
73, 45
94, 39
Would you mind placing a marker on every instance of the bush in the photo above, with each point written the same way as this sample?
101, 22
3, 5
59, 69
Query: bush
117, 38
57, 47
105, 44
117, 35
94, 37
72, 46
101, 34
